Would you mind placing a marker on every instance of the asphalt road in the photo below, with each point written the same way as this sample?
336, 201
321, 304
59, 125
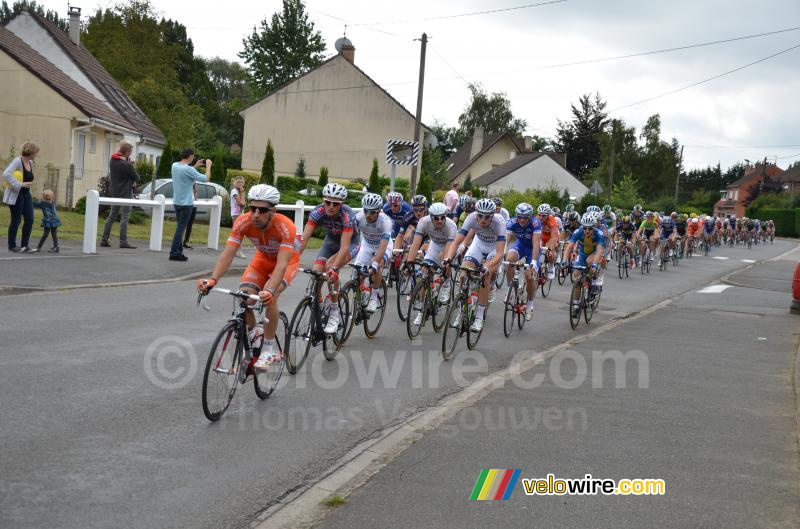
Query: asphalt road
94, 433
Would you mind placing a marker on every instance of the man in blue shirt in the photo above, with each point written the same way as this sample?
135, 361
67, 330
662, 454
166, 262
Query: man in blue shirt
184, 175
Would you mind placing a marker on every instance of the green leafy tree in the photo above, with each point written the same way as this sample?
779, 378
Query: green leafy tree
218, 169
268, 166
8, 12
435, 168
323, 176
374, 184
578, 137
424, 186
467, 185
626, 192
300, 170
165, 163
658, 160
232, 95
490, 111
283, 48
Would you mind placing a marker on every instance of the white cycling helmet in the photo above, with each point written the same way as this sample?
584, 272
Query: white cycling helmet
543, 209
437, 209
264, 193
593, 209
485, 206
523, 208
334, 190
372, 201
588, 220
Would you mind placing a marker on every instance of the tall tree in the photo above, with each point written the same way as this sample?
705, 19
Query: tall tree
323, 176
578, 137
8, 12
232, 95
282, 48
164, 169
374, 184
490, 111
268, 167
658, 161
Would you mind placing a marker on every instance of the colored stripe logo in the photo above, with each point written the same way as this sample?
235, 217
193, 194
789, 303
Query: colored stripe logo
495, 484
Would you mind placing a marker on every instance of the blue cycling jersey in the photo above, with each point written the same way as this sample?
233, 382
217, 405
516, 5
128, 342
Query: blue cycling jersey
524, 234
587, 242
397, 218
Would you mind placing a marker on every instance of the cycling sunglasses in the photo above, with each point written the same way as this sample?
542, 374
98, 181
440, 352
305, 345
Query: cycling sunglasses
332, 203
438, 217
261, 209
523, 217
483, 216
419, 210
371, 211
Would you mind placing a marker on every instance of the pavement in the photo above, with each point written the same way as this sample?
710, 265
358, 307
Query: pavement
102, 424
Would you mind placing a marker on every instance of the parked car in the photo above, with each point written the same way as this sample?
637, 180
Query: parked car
204, 190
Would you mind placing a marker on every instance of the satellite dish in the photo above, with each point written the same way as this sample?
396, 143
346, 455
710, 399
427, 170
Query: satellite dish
431, 142
341, 43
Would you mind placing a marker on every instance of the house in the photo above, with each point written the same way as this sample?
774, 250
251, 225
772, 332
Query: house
55, 93
333, 115
790, 180
483, 152
531, 170
736, 194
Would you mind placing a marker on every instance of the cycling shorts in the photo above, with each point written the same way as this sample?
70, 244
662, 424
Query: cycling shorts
330, 247
433, 252
523, 251
260, 269
367, 251
480, 251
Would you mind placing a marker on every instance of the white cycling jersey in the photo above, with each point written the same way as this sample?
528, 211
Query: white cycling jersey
373, 232
495, 231
425, 227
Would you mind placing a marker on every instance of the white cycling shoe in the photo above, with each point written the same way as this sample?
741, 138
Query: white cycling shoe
477, 325
333, 323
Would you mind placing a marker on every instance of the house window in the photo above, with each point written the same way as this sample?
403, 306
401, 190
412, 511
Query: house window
93, 144
736, 195
158, 161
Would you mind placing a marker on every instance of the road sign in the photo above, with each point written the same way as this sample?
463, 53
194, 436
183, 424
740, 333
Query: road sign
402, 152
596, 189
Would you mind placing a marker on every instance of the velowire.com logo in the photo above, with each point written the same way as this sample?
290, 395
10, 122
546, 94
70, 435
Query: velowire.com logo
495, 484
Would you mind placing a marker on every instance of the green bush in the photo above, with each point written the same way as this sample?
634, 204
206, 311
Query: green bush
225, 219
268, 166
786, 220
145, 170
137, 217
80, 206
251, 178
292, 183
438, 195
323, 176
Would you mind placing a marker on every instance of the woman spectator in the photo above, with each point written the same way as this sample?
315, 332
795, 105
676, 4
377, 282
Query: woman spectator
237, 204
18, 178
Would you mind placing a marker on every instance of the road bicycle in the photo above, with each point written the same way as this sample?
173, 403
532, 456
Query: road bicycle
581, 299
516, 299
358, 292
424, 301
544, 281
230, 361
461, 313
623, 258
309, 320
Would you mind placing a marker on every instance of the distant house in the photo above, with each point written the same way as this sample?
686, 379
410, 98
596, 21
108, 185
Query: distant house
738, 192
334, 115
482, 153
55, 93
531, 170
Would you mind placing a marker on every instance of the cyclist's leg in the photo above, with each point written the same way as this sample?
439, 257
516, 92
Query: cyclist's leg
512, 256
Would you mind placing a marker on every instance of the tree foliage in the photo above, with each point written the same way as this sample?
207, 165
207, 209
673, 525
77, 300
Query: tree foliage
626, 192
578, 137
268, 166
300, 170
490, 111
374, 184
424, 186
164, 169
284, 47
323, 176
8, 12
218, 169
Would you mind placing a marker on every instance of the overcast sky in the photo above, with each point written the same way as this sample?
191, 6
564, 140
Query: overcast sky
751, 113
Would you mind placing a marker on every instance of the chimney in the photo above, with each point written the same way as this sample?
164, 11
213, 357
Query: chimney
528, 143
75, 25
512, 155
349, 53
477, 143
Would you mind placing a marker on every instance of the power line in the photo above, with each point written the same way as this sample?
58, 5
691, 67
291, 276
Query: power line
785, 157
706, 80
449, 65
487, 12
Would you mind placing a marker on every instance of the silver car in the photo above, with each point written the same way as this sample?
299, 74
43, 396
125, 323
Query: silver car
203, 190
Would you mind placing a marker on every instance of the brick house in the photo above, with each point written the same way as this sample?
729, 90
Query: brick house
738, 191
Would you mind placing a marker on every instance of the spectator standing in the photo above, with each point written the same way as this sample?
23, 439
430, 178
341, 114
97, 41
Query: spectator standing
190, 224
237, 205
184, 175
122, 179
18, 179
451, 199
50, 220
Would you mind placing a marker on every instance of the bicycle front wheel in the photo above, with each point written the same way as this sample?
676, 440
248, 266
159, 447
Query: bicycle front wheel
301, 333
373, 321
354, 299
452, 330
575, 306
417, 305
221, 376
439, 309
510, 311
265, 381
404, 286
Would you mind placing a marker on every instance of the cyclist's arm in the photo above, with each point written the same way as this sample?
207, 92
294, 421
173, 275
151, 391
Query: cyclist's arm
342, 257
379, 253
537, 242
510, 238
275, 278
224, 261
454, 246
415, 245
500, 246
446, 249
307, 233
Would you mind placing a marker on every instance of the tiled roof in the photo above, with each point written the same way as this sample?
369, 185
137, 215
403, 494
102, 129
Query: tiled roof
460, 160
507, 168
68, 88
98, 75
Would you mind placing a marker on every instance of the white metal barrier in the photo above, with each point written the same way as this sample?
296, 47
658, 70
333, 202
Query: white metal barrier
93, 201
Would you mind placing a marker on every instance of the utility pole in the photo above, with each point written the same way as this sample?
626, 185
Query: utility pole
418, 117
678, 176
613, 153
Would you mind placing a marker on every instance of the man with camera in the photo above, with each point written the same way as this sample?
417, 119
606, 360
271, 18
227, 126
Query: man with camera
184, 175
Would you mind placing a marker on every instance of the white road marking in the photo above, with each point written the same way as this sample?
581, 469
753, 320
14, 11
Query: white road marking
713, 289
748, 260
721, 258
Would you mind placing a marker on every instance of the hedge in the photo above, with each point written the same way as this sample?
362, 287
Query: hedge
787, 221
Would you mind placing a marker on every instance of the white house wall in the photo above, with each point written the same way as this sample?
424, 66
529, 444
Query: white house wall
539, 173
27, 29
313, 117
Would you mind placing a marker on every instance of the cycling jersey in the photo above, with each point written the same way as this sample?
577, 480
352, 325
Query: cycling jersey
503, 212
343, 221
279, 236
426, 228
374, 232
648, 226
609, 220
549, 227
410, 220
681, 227
587, 242
397, 218
667, 225
484, 245
626, 229
523, 244
637, 218
709, 227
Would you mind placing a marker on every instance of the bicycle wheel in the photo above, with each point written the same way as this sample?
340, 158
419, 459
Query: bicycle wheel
266, 381
521, 303
548, 283
472, 336
301, 331
438, 310
501, 275
221, 376
575, 306
417, 308
338, 335
561, 273
453, 327
510, 310
373, 321
405, 283
588, 306
354, 299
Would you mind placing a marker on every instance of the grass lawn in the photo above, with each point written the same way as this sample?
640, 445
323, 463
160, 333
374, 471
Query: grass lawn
72, 228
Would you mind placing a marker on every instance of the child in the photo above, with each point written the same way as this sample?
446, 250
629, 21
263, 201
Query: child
237, 203
50, 220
